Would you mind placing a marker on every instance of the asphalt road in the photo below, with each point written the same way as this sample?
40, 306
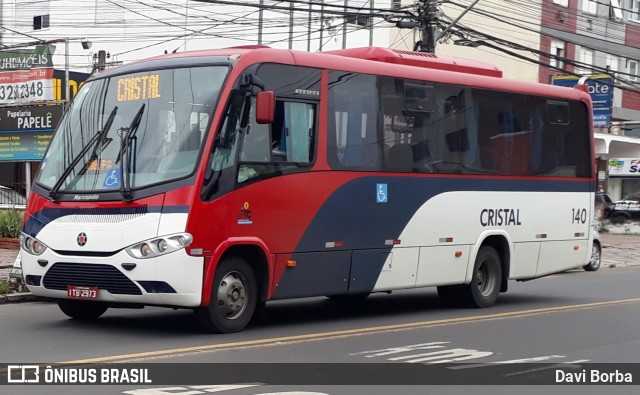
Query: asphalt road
575, 318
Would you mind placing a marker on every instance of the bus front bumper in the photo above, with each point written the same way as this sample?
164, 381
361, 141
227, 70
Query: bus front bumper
173, 279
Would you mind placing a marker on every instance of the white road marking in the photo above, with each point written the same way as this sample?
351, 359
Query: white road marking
442, 356
513, 361
191, 390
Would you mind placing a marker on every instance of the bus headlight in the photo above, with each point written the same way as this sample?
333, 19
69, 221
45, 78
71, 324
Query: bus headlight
32, 245
159, 246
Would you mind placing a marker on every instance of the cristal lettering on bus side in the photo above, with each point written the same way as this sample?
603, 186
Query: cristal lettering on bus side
139, 88
500, 217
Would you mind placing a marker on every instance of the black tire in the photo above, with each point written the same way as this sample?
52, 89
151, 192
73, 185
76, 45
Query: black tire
596, 258
234, 295
485, 282
82, 309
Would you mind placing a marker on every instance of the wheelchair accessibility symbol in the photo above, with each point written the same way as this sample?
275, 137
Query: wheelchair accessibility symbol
112, 179
381, 193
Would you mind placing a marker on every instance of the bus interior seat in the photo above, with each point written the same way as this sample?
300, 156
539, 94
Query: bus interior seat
400, 158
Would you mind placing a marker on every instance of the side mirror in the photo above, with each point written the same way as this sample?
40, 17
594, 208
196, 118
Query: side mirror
265, 107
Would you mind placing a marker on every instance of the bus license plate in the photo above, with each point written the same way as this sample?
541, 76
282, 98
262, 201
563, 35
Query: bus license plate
75, 292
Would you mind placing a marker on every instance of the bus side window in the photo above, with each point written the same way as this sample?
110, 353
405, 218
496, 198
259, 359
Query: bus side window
255, 146
288, 139
354, 122
292, 139
280, 147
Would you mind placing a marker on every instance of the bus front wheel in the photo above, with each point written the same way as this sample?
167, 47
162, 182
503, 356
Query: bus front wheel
234, 296
485, 282
82, 309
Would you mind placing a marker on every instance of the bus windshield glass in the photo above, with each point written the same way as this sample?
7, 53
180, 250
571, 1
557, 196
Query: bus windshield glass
145, 128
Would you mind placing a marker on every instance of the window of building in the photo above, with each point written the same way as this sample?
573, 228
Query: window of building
634, 10
615, 11
359, 20
558, 54
590, 6
564, 3
40, 22
612, 64
396, 4
585, 59
632, 70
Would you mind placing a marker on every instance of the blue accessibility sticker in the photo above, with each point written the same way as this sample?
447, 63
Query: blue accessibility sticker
112, 179
381, 193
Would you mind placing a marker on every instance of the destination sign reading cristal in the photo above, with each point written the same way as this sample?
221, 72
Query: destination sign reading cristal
139, 88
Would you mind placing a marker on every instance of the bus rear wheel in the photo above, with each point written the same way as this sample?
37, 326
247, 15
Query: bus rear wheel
234, 297
82, 309
485, 282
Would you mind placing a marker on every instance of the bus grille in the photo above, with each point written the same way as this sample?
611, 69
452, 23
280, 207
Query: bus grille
88, 275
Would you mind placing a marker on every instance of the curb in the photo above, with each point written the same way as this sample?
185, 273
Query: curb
19, 297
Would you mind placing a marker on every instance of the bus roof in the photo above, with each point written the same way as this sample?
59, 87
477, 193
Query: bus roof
385, 55
388, 62
420, 59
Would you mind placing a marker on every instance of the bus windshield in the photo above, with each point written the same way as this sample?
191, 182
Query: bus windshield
133, 130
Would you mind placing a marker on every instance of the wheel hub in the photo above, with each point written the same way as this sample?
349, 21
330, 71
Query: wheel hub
484, 280
232, 295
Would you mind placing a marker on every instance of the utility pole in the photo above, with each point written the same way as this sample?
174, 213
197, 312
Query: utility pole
427, 23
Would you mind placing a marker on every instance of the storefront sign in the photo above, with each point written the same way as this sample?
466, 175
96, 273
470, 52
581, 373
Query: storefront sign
26, 75
76, 80
25, 131
601, 92
624, 167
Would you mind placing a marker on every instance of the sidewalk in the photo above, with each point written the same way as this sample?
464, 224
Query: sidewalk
618, 250
6, 262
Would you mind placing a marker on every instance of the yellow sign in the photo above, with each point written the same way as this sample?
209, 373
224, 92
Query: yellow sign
139, 88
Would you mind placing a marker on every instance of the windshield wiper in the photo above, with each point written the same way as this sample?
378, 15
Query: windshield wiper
124, 156
98, 136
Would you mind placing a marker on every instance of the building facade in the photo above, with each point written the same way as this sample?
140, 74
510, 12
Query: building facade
91, 35
549, 40
127, 30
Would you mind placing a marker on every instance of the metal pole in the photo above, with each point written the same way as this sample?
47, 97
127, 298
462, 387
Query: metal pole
67, 93
370, 22
290, 25
186, 16
309, 29
260, 22
344, 28
321, 26
27, 172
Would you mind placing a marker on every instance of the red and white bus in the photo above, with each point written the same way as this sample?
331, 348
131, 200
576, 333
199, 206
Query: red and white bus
220, 180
